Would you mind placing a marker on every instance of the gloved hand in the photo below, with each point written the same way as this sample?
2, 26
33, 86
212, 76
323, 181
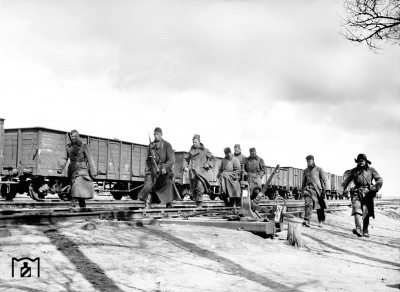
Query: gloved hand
163, 171
373, 188
93, 174
186, 169
206, 166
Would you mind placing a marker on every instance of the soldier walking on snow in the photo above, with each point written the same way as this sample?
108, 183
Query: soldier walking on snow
159, 186
81, 169
254, 167
364, 192
197, 163
228, 174
313, 188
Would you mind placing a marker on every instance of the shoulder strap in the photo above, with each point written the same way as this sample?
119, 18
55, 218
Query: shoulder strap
362, 173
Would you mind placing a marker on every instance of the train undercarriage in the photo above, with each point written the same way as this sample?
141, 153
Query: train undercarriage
38, 187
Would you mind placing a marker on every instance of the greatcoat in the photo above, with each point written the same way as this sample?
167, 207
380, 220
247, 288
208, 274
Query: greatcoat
197, 160
229, 172
162, 185
240, 157
80, 169
317, 175
364, 191
255, 168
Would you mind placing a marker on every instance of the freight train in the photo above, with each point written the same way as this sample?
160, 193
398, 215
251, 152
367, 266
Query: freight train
29, 162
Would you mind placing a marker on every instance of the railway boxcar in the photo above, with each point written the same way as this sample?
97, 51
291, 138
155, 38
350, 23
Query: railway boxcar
280, 179
336, 186
293, 177
29, 163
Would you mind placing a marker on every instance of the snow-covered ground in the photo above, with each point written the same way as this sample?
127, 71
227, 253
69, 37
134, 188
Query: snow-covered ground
119, 256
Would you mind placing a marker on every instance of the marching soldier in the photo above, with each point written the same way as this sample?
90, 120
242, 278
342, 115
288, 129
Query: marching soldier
362, 196
228, 174
81, 169
238, 154
159, 173
254, 167
198, 160
313, 187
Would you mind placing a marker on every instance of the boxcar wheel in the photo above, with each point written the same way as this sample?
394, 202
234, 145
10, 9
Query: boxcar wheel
115, 191
8, 193
34, 195
117, 196
133, 195
212, 196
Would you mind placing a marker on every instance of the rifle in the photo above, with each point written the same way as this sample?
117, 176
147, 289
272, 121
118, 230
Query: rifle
153, 157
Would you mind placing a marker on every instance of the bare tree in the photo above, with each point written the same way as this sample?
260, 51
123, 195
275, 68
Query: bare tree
373, 22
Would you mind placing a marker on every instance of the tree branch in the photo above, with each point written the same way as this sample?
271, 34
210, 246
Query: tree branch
370, 21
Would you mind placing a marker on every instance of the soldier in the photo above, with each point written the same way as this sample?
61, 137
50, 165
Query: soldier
238, 154
313, 187
81, 169
199, 158
362, 196
254, 167
159, 173
228, 174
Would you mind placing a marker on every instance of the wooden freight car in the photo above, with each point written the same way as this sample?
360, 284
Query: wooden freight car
29, 162
336, 187
288, 179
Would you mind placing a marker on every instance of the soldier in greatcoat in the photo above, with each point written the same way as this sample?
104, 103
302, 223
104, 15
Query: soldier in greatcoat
228, 174
81, 169
254, 167
159, 186
313, 188
363, 193
197, 162
240, 156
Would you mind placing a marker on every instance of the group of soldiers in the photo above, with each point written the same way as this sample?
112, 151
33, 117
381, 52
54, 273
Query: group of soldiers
234, 171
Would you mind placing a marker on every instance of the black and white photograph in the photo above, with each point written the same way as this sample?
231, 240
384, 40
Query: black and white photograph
199, 145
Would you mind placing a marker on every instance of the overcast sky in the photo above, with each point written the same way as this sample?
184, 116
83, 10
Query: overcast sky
275, 75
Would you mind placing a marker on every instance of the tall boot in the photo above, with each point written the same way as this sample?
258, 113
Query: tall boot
148, 202
236, 202
357, 221
82, 202
365, 227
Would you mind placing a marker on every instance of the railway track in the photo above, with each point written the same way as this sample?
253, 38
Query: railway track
31, 212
